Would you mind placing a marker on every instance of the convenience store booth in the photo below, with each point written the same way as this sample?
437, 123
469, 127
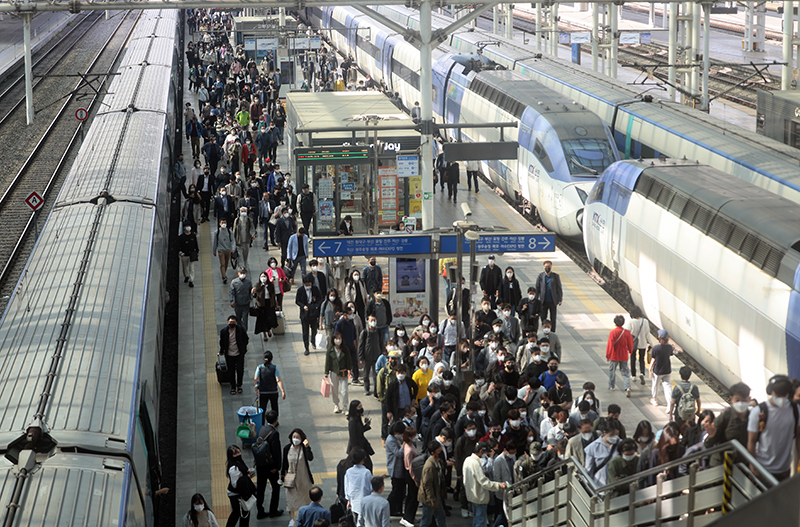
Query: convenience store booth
353, 173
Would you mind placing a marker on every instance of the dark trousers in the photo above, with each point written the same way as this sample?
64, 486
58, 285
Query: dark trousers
271, 233
273, 152
411, 503
452, 189
236, 370
272, 399
472, 175
641, 352
551, 308
205, 201
384, 421
236, 514
306, 217
396, 496
263, 474
283, 254
309, 326
354, 358
369, 369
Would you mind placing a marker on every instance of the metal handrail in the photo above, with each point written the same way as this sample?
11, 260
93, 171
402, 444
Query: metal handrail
588, 481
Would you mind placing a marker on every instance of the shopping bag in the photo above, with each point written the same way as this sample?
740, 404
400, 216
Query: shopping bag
325, 387
320, 340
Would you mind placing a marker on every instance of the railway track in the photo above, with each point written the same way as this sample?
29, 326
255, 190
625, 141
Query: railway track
56, 138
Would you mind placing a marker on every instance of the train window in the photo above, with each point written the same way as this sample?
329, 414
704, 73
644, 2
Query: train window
541, 154
597, 192
587, 155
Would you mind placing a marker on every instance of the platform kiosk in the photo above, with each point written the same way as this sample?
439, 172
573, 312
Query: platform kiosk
352, 173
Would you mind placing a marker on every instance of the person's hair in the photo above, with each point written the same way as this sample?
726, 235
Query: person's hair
445, 407
447, 432
628, 444
481, 446
561, 444
398, 427
431, 341
588, 386
704, 414
584, 406
740, 389
666, 451
554, 358
231, 461
619, 320
614, 408
479, 375
531, 289
470, 424
562, 379
402, 368
271, 417
473, 406
510, 392
315, 493
685, 372
409, 434
358, 455
196, 500
609, 424
232, 317
513, 414
434, 387
644, 427
447, 375
570, 429
434, 445
299, 432
547, 322
636, 312
584, 422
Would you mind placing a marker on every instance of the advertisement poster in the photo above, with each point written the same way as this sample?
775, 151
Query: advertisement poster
387, 197
408, 290
415, 197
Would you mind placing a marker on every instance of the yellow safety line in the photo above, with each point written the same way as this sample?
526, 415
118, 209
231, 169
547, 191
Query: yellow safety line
216, 420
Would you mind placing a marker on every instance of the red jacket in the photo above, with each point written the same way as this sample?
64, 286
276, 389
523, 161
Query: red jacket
248, 151
619, 347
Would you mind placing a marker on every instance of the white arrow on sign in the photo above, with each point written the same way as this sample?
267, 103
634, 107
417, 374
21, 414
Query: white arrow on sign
545, 242
322, 247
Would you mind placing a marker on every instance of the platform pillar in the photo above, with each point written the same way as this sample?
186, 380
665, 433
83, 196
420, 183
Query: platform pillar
673, 43
614, 42
651, 16
786, 69
282, 16
509, 21
554, 30
426, 111
595, 34
706, 59
695, 50
495, 14
538, 26
26, 34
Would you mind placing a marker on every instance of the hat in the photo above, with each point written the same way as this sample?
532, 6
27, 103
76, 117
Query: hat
394, 354
498, 321
535, 448
662, 334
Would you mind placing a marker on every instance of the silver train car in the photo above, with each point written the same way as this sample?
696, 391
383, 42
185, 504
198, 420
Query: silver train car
80, 340
713, 260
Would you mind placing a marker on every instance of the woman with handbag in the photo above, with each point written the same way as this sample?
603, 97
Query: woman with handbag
328, 315
266, 318
237, 469
296, 474
338, 363
278, 284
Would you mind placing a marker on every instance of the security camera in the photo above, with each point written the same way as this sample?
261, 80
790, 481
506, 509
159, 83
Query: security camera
466, 210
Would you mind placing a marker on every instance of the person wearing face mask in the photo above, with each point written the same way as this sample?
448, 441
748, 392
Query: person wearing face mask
346, 325
503, 472
244, 231
553, 342
772, 427
357, 426
240, 294
623, 465
401, 392
191, 213
601, 451
307, 206
561, 393
732, 422
320, 279
297, 252
484, 317
296, 473
266, 306
308, 299
666, 450
429, 406
356, 292
490, 279
206, 186
528, 309
328, 312
338, 364
233, 341
225, 207
465, 302
238, 482
430, 491
449, 329
284, 230
401, 337
346, 226
509, 291
577, 444
548, 286
395, 468
386, 375
422, 376
249, 155
373, 277
370, 347
464, 446
199, 514
382, 311
189, 252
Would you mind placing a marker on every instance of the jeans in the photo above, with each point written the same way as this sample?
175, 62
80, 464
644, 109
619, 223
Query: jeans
612, 374
479, 514
302, 262
428, 515
265, 225
242, 313
666, 382
236, 370
641, 352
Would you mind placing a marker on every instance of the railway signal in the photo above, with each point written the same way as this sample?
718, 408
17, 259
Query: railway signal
35, 202
81, 114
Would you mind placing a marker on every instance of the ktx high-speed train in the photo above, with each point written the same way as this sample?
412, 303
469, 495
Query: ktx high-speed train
713, 260
563, 146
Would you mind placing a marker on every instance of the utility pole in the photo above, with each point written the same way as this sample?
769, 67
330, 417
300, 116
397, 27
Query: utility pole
426, 110
26, 35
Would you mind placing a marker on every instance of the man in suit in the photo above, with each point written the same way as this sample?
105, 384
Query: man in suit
268, 468
490, 279
453, 173
284, 230
308, 299
548, 289
233, 344
320, 280
225, 207
206, 186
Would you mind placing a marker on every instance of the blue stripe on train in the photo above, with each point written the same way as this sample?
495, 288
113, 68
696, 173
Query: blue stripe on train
793, 330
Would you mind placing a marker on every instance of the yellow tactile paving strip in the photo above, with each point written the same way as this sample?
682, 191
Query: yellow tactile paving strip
216, 422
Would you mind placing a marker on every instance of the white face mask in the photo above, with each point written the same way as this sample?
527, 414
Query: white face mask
401, 333
523, 415
285, 214
493, 345
296, 441
434, 330
586, 436
332, 298
243, 214
313, 267
356, 277
373, 323
413, 341
199, 508
506, 314
545, 349
242, 276
223, 226
479, 382
612, 439
741, 406
222, 193
546, 331
307, 288
263, 279
401, 377
780, 402
188, 230
515, 423
481, 413
447, 384
644, 439
338, 342
510, 275
628, 457
471, 433
426, 323
497, 329
486, 308
531, 297
537, 358
273, 265
491, 261
424, 367
501, 358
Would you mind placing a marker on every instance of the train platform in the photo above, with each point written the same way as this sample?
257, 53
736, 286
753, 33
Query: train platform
207, 417
44, 26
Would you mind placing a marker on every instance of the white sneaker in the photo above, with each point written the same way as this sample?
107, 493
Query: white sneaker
336, 409
291, 523
404, 523
654, 402
628, 392
464, 513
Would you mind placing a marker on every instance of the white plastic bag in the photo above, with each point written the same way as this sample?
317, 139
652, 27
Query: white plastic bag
320, 340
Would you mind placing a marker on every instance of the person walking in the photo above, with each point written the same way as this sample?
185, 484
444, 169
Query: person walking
642, 341
661, 368
188, 250
550, 293
453, 175
338, 363
370, 347
266, 318
383, 314
268, 458
240, 295
473, 169
277, 282
199, 514
308, 300
394, 467
244, 230
477, 486
412, 485
618, 350
330, 310
307, 207
374, 507
357, 482
223, 243
239, 485
233, 345
373, 277
267, 381
297, 252
490, 280
357, 425
356, 292
309, 514
296, 474
430, 488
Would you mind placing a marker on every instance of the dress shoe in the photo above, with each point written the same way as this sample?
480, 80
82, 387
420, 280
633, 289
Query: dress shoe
262, 514
276, 513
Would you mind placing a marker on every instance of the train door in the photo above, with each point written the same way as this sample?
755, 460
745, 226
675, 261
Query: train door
386, 45
618, 196
525, 167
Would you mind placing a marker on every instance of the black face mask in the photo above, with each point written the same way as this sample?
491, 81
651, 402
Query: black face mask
496, 434
360, 411
231, 325
552, 368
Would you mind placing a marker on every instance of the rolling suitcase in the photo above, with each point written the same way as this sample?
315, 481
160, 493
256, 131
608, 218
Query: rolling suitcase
281, 329
222, 370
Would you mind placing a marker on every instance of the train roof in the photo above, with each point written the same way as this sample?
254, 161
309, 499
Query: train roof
91, 400
520, 87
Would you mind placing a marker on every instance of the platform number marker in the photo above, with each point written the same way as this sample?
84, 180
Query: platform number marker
34, 201
81, 114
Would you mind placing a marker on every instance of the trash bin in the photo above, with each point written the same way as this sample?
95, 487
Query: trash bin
255, 415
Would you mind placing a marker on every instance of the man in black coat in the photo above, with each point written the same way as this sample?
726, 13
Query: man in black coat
268, 466
528, 311
308, 299
491, 276
225, 207
284, 229
396, 402
549, 293
453, 173
233, 345
206, 185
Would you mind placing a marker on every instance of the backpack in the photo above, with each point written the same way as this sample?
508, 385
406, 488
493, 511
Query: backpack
687, 404
418, 463
262, 453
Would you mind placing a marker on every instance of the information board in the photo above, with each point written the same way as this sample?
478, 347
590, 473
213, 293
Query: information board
501, 243
373, 245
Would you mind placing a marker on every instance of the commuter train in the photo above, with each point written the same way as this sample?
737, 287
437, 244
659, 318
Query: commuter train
641, 129
563, 145
81, 338
713, 260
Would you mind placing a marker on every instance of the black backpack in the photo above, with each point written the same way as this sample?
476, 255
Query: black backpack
262, 453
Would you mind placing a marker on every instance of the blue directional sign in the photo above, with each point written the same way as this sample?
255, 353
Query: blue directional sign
373, 245
502, 243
